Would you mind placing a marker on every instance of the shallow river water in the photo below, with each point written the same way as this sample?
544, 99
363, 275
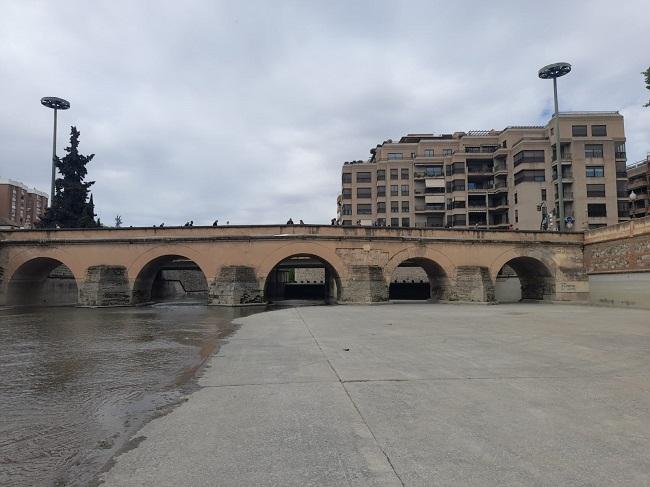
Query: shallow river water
76, 383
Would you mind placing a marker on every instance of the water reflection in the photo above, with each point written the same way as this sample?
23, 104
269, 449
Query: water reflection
76, 383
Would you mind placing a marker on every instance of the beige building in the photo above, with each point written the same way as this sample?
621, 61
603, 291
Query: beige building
495, 179
20, 206
639, 182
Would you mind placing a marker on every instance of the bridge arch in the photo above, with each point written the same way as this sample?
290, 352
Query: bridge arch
280, 279
283, 283
42, 281
405, 268
316, 250
167, 275
536, 274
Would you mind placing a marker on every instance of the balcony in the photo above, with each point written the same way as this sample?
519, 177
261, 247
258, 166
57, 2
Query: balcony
568, 196
636, 183
437, 207
480, 170
498, 205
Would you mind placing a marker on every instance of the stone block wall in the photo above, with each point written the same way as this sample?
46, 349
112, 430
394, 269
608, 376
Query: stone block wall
617, 260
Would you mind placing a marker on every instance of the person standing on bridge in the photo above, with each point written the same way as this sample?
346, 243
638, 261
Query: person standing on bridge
290, 221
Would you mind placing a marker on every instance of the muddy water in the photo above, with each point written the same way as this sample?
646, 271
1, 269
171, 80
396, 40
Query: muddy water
75, 384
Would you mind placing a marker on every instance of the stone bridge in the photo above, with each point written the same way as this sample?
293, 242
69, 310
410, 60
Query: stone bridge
117, 266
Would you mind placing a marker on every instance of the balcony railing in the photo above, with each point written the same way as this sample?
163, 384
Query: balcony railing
479, 170
431, 207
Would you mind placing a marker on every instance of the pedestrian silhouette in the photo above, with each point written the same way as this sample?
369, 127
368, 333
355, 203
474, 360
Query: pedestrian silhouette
289, 221
216, 222
302, 222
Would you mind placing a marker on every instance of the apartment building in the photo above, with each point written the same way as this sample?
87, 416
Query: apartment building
639, 182
20, 206
495, 179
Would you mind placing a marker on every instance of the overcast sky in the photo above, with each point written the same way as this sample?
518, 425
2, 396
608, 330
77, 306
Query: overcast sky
245, 110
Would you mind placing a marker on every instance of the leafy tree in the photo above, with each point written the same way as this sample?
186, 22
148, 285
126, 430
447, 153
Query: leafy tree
71, 207
646, 74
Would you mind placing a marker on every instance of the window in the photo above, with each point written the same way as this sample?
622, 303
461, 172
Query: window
393, 174
595, 171
459, 168
621, 189
530, 175
516, 216
381, 207
363, 177
597, 210
364, 209
405, 206
459, 220
381, 174
394, 189
595, 190
405, 189
381, 222
364, 193
433, 171
347, 223
458, 185
623, 209
594, 150
447, 152
394, 206
516, 201
347, 177
528, 156
346, 194
619, 150
459, 204
393, 156
412, 155
472, 149
381, 191
394, 222
543, 195
598, 130
406, 222
346, 210
405, 173
448, 170
579, 130
428, 152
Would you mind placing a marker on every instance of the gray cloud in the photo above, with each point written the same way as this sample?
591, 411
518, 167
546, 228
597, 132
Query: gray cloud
244, 111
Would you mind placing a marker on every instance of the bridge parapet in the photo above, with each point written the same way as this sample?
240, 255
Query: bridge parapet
283, 231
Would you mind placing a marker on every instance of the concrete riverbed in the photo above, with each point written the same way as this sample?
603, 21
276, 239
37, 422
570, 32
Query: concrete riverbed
414, 395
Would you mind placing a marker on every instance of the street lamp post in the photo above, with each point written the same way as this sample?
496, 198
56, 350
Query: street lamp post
56, 104
554, 71
632, 198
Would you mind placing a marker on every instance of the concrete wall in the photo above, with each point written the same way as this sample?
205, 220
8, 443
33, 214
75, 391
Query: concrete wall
617, 260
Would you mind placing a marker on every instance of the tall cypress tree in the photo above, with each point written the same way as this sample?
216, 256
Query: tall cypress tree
70, 207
